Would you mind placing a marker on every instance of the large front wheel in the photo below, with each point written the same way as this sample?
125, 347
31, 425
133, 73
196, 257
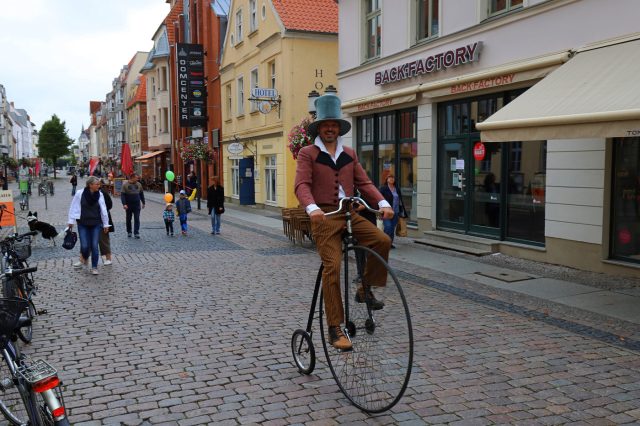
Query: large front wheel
375, 373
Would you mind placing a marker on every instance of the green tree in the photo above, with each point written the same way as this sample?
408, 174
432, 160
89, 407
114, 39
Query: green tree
54, 141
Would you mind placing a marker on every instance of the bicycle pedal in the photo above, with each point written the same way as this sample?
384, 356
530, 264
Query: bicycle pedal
42, 312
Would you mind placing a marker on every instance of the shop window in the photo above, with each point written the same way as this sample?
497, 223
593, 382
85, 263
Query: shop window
373, 28
427, 14
235, 178
387, 144
270, 176
526, 188
501, 6
625, 202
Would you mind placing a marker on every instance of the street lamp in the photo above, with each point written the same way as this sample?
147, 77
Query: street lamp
311, 102
330, 89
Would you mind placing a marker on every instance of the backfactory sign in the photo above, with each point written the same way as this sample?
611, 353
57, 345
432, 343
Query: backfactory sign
440, 61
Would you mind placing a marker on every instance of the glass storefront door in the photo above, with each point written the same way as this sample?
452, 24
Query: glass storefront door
495, 190
625, 218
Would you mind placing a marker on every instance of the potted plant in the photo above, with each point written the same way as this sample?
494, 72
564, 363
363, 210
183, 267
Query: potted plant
299, 137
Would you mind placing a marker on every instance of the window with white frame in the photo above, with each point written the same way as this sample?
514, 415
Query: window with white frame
427, 13
240, 83
235, 178
373, 28
272, 72
501, 6
229, 100
270, 175
254, 84
239, 26
253, 15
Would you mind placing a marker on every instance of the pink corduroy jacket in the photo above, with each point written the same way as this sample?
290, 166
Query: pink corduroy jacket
318, 177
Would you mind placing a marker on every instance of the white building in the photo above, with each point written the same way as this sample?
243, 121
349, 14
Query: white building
421, 79
5, 123
22, 133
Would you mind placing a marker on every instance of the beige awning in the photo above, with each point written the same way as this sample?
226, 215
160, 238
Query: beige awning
149, 155
594, 95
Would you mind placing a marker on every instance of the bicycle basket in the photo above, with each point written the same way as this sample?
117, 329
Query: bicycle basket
10, 310
23, 248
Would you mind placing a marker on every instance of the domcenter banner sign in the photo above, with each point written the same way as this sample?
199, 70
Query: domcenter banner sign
191, 85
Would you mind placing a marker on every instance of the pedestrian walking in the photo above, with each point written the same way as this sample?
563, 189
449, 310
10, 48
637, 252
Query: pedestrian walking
183, 206
105, 238
74, 184
169, 217
192, 181
132, 197
89, 211
392, 194
215, 204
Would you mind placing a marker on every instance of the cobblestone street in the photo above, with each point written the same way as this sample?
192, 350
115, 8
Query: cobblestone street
196, 330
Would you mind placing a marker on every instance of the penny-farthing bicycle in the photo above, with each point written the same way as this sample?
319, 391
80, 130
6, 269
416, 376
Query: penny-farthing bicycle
375, 373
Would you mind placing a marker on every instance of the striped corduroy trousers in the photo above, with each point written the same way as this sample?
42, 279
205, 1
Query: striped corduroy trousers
328, 238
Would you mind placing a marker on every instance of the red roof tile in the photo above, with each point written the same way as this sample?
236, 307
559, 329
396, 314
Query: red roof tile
141, 92
173, 16
320, 16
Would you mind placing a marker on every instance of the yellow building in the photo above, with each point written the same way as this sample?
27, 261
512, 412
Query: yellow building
279, 45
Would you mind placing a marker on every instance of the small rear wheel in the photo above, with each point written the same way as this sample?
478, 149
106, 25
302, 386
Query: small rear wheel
304, 354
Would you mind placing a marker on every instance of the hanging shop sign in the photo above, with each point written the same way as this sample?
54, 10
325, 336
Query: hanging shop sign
235, 148
191, 85
438, 62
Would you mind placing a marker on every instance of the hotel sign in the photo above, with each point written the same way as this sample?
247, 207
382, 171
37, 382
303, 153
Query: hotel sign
440, 61
191, 85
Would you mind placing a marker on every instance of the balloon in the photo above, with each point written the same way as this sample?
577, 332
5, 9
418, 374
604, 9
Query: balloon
168, 197
170, 176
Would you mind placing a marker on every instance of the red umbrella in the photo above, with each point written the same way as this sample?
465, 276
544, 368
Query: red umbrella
126, 162
93, 162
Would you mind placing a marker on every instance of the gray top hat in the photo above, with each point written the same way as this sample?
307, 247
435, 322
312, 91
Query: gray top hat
328, 109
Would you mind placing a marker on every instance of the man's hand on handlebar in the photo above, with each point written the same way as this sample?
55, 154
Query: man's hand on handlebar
387, 213
316, 216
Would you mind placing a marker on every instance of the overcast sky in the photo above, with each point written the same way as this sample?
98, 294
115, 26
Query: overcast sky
57, 55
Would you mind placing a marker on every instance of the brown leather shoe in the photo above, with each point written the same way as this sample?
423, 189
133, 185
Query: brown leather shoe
338, 340
369, 298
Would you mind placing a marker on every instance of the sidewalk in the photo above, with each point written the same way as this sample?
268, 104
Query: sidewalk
618, 303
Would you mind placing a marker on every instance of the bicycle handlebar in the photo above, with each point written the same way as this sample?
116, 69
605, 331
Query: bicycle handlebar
351, 201
19, 237
11, 273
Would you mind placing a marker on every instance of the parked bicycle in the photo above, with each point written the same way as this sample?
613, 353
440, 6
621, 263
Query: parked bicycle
374, 374
24, 194
30, 390
16, 249
45, 187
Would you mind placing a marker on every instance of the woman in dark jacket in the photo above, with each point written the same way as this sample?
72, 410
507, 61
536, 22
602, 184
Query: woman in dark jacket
392, 194
105, 239
215, 204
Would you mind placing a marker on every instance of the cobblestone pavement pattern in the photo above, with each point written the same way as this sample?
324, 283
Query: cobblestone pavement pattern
196, 330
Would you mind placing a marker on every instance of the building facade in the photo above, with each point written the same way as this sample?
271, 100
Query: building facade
202, 24
441, 105
135, 105
275, 53
5, 123
156, 72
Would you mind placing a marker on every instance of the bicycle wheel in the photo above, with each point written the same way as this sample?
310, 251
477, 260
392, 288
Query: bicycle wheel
26, 333
376, 372
304, 354
12, 403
